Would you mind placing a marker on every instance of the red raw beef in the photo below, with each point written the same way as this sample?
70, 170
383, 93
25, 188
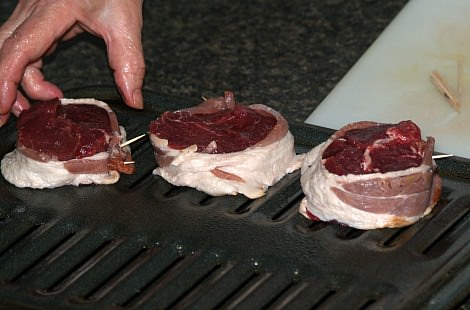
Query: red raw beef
64, 132
388, 147
232, 129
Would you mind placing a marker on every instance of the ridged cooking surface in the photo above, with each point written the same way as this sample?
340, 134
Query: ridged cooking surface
143, 243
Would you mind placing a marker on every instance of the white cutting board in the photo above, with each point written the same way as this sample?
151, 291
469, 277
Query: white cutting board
391, 81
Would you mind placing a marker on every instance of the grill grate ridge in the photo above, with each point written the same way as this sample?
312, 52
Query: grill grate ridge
324, 299
69, 241
348, 233
187, 278
244, 207
203, 286
285, 296
290, 209
357, 296
206, 200
441, 231
220, 286
103, 288
197, 197
283, 194
35, 264
88, 262
16, 237
147, 291
176, 191
27, 248
392, 237
142, 179
367, 304
308, 227
135, 278
50, 274
262, 291
187, 297
447, 236
234, 297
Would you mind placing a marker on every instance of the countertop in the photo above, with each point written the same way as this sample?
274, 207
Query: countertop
286, 54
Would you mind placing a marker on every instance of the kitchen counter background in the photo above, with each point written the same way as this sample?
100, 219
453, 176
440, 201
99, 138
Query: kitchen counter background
286, 54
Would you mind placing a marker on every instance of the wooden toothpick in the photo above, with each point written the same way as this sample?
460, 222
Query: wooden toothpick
445, 90
132, 140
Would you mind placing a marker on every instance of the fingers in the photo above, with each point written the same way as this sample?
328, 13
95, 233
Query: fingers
8, 90
129, 79
16, 19
126, 58
120, 25
36, 87
36, 26
20, 104
27, 44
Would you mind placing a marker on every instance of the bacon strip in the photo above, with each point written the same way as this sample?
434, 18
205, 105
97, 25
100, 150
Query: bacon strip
226, 175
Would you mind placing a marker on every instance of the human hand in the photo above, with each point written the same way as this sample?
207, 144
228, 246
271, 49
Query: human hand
37, 26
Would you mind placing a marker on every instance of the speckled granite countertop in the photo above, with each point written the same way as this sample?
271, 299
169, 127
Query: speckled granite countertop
286, 54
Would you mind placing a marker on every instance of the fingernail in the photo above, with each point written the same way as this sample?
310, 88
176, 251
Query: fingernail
137, 99
16, 109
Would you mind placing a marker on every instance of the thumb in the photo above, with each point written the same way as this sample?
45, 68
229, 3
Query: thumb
126, 59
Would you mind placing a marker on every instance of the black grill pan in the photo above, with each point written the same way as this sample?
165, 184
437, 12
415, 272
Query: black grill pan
143, 243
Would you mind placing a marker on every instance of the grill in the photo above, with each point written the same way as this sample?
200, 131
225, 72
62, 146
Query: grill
143, 243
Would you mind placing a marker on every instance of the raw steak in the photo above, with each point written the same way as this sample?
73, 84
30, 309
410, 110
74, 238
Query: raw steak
64, 132
370, 175
67, 141
221, 148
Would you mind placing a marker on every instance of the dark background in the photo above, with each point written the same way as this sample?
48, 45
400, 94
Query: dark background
286, 54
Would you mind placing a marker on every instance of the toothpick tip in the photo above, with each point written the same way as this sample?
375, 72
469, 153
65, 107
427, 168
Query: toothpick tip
440, 156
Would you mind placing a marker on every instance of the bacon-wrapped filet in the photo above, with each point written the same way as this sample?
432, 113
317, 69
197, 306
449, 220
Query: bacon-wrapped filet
371, 175
67, 142
223, 148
